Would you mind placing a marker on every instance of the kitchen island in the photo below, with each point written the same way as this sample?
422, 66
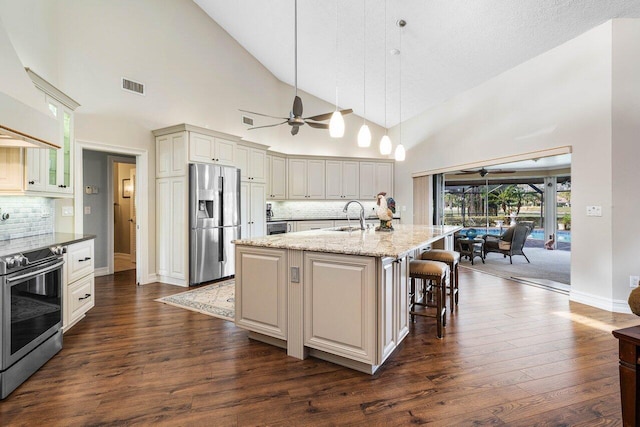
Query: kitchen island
338, 295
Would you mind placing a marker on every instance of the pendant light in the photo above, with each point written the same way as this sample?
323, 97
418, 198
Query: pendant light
336, 124
364, 135
385, 142
400, 153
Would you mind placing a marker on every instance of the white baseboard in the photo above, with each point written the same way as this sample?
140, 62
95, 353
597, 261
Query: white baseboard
172, 281
608, 304
102, 271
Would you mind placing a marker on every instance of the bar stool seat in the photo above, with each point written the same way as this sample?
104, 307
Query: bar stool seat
452, 259
433, 275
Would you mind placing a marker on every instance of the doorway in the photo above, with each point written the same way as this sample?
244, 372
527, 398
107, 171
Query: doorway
123, 172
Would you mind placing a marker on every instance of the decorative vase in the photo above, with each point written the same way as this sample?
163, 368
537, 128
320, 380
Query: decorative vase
634, 301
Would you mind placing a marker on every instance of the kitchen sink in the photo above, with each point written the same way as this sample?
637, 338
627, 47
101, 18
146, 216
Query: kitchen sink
345, 228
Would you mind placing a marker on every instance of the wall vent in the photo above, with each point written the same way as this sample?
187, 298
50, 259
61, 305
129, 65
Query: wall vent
246, 120
133, 86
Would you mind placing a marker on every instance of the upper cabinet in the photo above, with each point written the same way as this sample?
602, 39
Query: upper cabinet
210, 149
277, 177
171, 153
374, 178
10, 169
306, 179
343, 179
51, 171
251, 159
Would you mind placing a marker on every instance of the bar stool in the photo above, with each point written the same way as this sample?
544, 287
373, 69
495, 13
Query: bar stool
452, 259
433, 275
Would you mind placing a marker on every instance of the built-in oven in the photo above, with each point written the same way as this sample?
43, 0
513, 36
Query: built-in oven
277, 227
31, 317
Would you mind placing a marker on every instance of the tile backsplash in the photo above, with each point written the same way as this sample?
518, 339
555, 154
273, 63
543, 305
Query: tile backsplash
319, 209
28, 216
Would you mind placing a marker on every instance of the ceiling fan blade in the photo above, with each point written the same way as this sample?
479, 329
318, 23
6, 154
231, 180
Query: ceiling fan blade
297, 106
318, 125
294, 130
327, 116
260, 114
500, 171
267, 126
463, 172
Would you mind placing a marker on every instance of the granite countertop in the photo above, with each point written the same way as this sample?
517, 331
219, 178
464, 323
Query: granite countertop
404, 238
40, 241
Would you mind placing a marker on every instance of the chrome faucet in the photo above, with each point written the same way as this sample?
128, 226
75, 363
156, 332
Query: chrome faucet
346, 207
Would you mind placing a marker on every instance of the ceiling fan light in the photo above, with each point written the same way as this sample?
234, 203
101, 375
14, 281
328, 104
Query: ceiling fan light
400, 153
385, 145
364, 136
336, 125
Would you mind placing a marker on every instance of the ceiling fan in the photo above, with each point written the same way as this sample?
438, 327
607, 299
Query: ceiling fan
483, 172
295, 119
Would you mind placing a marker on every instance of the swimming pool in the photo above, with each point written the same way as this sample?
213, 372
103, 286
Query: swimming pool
537, 234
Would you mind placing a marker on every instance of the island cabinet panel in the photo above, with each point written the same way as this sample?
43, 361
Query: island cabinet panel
393, 305
340, 305
261, 290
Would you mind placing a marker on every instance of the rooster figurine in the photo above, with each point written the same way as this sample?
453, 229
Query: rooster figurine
385, 210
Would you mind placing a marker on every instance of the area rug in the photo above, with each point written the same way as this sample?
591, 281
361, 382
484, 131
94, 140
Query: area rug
215, 300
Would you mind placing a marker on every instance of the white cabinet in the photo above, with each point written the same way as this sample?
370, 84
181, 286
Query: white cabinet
261, 290
171, 230
52, 170
79, 282
211, 149
306, 179
374, 178
171, 155
252, 163
393, 305
277, 178
10, 169
253, 209
313, 225
340, 305
343, 179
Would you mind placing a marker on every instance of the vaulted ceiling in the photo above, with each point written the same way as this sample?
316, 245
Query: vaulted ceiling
447, 46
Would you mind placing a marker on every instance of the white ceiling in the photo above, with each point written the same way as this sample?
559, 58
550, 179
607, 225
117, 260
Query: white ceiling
448, 46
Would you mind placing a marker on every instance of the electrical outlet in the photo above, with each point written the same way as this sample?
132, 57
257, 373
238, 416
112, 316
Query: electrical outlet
87, 210
634, 281
295, 275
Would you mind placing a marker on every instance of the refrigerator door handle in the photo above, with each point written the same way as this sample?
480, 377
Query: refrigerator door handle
221, 200
221, 245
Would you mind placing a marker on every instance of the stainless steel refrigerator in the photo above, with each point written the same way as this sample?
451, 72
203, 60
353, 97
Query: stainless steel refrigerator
214, 220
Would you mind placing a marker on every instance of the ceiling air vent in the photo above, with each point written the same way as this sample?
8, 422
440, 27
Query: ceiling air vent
132, 86
246, 120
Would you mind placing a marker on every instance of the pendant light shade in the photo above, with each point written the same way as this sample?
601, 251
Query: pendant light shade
364, 136
336, 125
400, 154
385, 145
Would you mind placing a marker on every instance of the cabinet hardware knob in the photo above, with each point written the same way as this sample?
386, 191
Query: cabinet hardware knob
84, 297
32, 182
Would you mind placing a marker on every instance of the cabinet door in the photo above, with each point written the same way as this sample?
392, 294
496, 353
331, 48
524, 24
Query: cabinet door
201, 148
242, 161
172, 232
261, 290
386, 309
79, 260
334, 179
277, 178
367, 181
315, 179
297, 179
332, 280
224, 152
171, 159
401, 289
350, 180
80, 298
36, 169
11, 170
258, 209
258, 165
384, 178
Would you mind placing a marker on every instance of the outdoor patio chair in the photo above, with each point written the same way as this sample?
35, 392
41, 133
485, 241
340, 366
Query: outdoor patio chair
510, 243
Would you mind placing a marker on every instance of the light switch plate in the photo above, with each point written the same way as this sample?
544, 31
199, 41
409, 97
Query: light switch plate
594, 210
67, 211
87, 210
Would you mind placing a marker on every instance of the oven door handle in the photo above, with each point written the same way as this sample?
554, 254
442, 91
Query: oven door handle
35, 273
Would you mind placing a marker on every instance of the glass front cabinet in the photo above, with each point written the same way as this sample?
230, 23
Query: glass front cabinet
51, 170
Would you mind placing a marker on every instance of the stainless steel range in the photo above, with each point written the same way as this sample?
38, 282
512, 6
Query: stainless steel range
30, 315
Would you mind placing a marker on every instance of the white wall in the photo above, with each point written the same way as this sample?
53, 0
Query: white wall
193, 70
584, 94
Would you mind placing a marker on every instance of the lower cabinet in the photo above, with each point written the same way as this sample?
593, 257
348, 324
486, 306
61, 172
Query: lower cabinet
79, 282
393, 297
261, 290
172, 236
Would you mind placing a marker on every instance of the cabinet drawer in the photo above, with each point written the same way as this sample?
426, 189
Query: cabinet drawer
80, 297
79, 260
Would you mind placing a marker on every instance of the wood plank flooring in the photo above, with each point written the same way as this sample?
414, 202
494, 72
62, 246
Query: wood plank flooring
513, 355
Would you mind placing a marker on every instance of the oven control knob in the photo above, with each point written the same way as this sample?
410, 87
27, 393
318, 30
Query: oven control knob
57, 250
22, 260
11, 262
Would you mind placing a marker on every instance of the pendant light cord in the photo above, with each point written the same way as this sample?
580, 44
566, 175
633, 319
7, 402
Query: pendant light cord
295, 43
400, 25
386, 131
364, 63
336, 58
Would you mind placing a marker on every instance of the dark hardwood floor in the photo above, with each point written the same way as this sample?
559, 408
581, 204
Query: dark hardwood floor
512, 355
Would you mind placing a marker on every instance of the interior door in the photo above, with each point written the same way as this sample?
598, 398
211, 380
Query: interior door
133, 235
